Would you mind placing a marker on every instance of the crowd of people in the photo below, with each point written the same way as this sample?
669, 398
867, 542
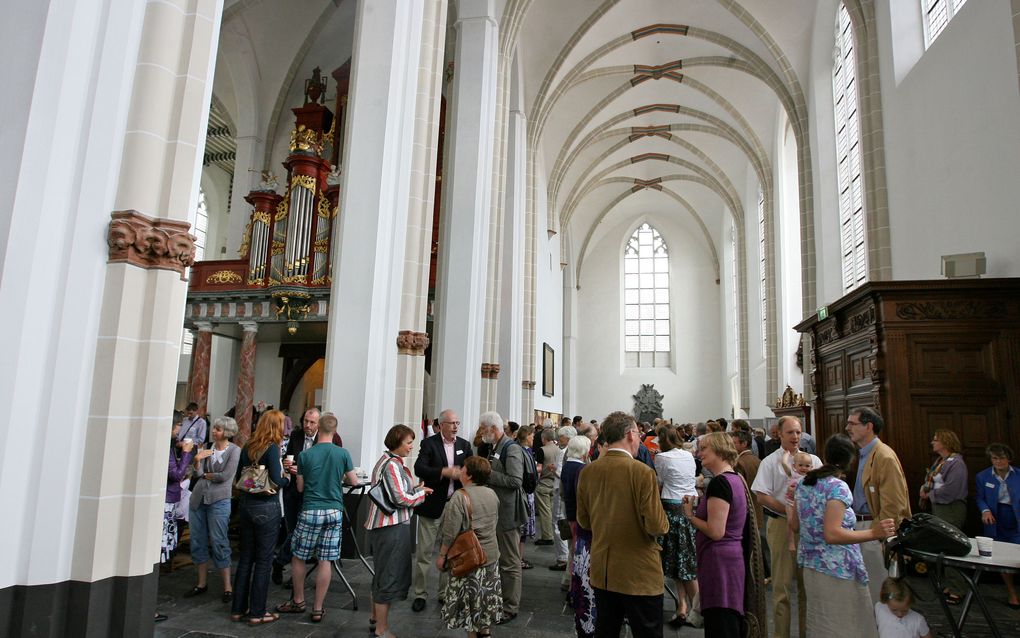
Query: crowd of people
739, 522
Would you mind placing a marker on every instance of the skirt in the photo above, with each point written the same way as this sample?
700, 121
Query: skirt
528, 528
834, 604
169, 542
679, 560
391, 554
582, 594
475, 601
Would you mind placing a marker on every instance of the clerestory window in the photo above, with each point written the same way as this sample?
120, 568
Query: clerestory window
646, 300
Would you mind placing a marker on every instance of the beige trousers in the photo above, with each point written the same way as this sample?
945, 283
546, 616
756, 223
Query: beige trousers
784, 570
874, 562
509, 543
425, 558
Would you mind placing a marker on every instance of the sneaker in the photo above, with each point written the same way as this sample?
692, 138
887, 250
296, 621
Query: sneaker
418, 604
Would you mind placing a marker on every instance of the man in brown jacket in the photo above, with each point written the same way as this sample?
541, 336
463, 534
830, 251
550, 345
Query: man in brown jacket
618, 500
880, 490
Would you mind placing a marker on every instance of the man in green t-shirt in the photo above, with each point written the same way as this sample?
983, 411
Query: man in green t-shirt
320, 477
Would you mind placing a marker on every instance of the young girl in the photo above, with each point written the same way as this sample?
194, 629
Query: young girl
894, 616
801, 466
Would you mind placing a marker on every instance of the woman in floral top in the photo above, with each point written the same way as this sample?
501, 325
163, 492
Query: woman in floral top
834, 575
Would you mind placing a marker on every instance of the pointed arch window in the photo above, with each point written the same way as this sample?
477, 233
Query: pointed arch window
852, 235
762, 249
647, 334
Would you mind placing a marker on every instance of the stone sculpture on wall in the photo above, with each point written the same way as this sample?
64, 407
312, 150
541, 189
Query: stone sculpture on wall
648, 403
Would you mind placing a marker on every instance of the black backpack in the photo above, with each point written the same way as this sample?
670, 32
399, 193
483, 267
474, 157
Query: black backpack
530, 481
927, 533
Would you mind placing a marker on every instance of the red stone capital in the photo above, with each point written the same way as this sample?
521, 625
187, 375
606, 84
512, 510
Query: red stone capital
149, 242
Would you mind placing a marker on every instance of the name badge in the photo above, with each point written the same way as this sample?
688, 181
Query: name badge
496, 456
458, 452
872, 488
989, 485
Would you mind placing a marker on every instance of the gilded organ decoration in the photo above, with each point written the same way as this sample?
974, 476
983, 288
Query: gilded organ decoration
224, 277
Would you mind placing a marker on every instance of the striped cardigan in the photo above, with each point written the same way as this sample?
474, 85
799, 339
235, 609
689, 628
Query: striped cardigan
400, 485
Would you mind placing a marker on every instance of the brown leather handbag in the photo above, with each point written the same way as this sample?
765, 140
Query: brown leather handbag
465, 554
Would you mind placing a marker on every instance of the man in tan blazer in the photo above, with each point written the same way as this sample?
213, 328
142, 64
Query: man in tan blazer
880, 490
618, 500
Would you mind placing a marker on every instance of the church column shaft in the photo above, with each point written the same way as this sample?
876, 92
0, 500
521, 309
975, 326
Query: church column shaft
201, 351
464, 227
368, 259
246, 382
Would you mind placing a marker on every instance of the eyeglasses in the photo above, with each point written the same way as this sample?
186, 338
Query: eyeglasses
452, 422
849, 422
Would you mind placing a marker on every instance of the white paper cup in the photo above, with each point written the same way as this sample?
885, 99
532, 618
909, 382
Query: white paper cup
290, 458
187, 441
984, 545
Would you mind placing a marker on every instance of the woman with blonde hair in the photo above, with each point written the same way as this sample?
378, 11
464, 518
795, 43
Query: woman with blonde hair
260, 522
732, 600
945, 486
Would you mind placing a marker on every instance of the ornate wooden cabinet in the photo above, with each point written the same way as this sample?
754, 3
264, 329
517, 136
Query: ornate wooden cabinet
929, 355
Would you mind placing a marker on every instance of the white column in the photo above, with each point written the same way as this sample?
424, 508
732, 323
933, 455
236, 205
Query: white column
364, 314
569, 366
511, 325
464, 227
246, 175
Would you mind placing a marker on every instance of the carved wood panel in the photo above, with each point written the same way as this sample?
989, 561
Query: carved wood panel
859, 369
953, 360
832, 374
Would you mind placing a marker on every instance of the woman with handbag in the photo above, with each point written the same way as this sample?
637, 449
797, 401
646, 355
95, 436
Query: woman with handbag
209, 509
474, 600
582, 594
392, 499
675, 470
259, 476
945, 486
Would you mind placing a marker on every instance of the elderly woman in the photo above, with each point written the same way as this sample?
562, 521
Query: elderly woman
730, 589
209, 510
473, 602
945, 486
675, 469
582, 595
525, 436
998, 500
260, 522
834, 574
389, 535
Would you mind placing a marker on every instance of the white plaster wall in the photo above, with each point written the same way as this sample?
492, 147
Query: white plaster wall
549, 310
952, 133
223, 364
268, 373
692, 389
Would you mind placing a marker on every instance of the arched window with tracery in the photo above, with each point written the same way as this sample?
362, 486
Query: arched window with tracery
646, 300
852, 235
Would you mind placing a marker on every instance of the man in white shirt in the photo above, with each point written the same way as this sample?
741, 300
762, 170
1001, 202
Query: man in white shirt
193, 427
770, 486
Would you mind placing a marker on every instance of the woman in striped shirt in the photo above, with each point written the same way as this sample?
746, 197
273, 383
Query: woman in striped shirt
389, 538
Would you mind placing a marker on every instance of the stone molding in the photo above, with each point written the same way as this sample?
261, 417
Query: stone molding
248, 326
528, 385
490, 370
412, 343
148, 242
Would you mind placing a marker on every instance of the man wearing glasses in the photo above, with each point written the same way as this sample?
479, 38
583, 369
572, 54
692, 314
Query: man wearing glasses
880, 490
438, 465
618, 500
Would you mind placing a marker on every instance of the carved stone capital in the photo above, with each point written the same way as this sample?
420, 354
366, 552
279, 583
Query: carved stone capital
490, 370
412, 343
203, 326
148, 242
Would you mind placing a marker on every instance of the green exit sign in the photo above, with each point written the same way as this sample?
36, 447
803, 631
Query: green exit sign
823, 313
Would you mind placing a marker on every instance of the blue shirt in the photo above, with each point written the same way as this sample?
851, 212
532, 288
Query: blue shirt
860, 503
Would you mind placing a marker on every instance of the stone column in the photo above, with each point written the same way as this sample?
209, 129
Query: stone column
201, 350
511, 323
368, 259
246, 381
464, 227
412, 339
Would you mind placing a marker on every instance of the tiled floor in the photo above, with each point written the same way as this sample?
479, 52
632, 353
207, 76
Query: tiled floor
543, 613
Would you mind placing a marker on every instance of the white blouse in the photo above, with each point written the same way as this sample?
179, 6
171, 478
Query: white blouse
676, 470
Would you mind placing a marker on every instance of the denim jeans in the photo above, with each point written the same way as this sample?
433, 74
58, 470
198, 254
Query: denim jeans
260, 521
208, 525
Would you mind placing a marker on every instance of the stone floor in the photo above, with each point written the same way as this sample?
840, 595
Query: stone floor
543, 613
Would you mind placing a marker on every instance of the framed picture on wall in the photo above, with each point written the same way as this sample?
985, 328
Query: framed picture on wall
548, 370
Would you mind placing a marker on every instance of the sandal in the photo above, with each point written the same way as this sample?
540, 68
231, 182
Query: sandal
236, 617
526, 565
265, 619
317, 614
371, 625
291, 607
952, 599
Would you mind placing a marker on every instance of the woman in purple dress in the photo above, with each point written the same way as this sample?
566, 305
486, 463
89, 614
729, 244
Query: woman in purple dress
721, 520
